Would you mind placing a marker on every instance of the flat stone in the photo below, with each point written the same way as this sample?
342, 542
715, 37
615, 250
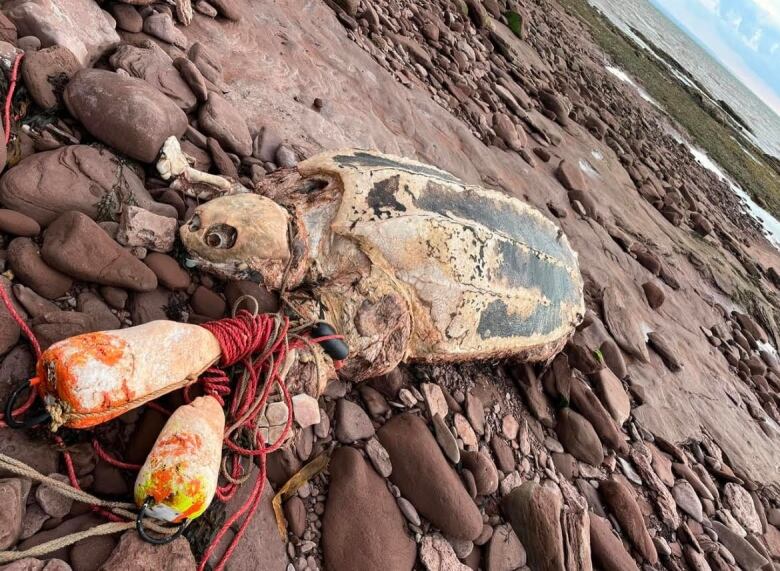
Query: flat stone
621, 323
484, 471
24, 259
505, 552
746, 555
154, 67
475, 411
571, 177
127, 18
51, 501
446, 439
92, 552
363, 528
18, 224
306, 410
295, 514
579, 438
534, 512
434, 398
141, 228
436, 554
220, 119
424, 477
168, 271
12, 498
608, 551
624, 507
379, 457
611, 392
738, 500
687, 500
505, 458
352, 422
465, 431
134, 554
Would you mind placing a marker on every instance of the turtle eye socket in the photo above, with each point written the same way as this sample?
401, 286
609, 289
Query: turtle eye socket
220, 237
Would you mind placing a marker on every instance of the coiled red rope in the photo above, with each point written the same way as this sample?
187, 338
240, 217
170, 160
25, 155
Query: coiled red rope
259, 345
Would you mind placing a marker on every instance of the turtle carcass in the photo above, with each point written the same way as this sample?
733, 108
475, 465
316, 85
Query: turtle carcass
405, 260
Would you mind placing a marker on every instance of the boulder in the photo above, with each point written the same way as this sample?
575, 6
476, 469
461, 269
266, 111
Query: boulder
78, 247
220, 119
25, 261
534, 512
362, 526
134, 554
12, 497
124, 112
624, 507
607, 549
579, 438
18, 224
425, 478
571, 177
612, 394
46, 72
81, 26
74, 177
141, 228
155, 68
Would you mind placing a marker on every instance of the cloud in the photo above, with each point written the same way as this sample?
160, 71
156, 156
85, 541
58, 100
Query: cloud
754, 41
713, 5
770, 8
775, 47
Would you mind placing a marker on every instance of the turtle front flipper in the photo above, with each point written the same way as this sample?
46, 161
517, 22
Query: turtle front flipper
373, 316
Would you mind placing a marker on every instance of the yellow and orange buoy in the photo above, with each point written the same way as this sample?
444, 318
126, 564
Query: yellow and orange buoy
179, 478
91, 378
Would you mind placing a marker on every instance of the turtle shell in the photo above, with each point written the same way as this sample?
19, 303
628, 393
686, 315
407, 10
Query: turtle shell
485, 274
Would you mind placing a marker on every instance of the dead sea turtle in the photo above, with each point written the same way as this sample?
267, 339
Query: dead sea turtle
405, 260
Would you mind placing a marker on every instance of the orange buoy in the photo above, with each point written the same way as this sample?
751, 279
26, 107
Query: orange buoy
179, 478
91, 378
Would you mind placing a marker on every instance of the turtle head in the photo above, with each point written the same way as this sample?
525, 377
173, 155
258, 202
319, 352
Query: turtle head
241, 236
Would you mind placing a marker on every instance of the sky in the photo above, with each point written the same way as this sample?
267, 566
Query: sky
744, 35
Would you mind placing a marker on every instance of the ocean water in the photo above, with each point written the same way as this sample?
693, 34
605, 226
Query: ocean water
716, 79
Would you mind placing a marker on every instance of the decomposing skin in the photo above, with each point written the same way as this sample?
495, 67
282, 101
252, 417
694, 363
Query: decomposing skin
405, 260
180, 474
91, 378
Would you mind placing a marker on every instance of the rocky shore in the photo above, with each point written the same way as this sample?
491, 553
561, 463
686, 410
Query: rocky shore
652, 441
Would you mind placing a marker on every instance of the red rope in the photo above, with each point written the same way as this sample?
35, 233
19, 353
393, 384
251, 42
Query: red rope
108, 459
35, 345
261, 344
10, 96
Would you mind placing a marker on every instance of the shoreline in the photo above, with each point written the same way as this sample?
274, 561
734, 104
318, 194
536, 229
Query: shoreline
757, 172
